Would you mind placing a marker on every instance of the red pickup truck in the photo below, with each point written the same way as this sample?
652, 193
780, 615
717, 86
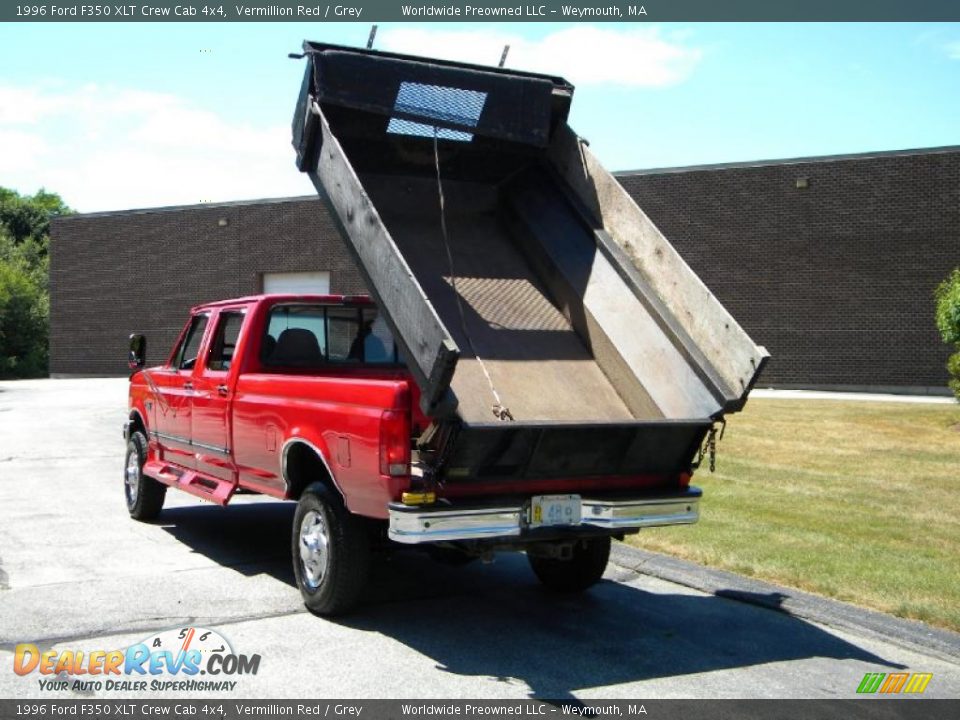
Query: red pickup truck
307, 398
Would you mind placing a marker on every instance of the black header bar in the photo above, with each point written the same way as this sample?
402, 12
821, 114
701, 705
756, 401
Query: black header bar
485, 11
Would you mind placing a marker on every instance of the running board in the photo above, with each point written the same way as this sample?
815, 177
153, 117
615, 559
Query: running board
190, 481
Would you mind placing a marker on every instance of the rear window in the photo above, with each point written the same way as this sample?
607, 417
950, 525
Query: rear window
316, 335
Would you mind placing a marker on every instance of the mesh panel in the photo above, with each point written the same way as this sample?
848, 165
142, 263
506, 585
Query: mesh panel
408, 127
436, 102
447, 104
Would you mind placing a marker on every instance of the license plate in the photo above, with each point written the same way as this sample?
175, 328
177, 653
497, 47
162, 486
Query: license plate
549, 510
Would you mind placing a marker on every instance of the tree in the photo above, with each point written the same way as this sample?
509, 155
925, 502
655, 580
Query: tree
24, 323
947, 316
26, 216
24, 298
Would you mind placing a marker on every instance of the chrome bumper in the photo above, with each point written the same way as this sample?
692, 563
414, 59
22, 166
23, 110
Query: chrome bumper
413, 524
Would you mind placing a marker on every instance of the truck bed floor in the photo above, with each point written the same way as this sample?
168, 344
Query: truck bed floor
539, 365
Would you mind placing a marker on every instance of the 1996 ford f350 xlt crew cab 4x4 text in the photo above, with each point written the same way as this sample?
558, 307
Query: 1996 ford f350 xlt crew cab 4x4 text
535, 367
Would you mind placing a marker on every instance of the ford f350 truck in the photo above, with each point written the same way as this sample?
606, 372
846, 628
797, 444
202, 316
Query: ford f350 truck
535, 369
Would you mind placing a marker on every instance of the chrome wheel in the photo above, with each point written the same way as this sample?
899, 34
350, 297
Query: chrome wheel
143, 494
329, 550
314, 549
131, 477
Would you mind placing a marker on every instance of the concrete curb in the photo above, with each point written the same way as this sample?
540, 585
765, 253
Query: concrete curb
909, 634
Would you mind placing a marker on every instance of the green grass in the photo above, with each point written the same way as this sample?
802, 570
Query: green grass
858, 501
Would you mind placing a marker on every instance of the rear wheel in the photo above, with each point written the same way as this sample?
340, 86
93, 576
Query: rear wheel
144, 494
584, 568
331, 552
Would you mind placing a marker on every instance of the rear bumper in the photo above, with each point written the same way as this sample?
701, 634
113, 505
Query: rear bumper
412, 524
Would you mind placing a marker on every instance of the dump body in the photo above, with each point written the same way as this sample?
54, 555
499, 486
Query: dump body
515, 272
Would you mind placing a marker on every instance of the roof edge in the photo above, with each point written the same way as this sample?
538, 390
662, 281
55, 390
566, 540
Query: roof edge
805, 160
179, 208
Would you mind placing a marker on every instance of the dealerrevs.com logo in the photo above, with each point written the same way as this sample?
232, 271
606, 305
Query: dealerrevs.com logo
181, 659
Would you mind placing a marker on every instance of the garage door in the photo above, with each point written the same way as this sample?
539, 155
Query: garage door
306, 283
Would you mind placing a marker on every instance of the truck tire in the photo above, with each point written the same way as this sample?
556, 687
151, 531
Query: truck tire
331, 552
582, 570
144, 495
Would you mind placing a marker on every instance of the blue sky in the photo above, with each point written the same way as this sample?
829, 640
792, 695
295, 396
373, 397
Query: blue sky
116, 115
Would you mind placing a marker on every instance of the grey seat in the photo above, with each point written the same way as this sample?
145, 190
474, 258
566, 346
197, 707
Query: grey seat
296, 346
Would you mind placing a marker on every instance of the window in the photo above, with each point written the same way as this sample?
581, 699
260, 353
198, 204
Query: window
343, 333
378, 345
296, 335
186, 355
225, 341
311, 335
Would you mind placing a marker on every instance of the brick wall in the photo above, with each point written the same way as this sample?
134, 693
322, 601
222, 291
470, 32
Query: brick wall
116, 273
836, 279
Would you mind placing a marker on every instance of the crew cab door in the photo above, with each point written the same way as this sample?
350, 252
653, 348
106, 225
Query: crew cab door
213, 386
173, 385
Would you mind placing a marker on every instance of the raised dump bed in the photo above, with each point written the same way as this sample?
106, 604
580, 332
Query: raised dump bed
514, 271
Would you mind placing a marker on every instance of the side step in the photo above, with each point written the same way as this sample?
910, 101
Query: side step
190, 481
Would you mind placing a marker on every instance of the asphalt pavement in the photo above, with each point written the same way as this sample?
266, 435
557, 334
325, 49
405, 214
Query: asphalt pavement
77, 574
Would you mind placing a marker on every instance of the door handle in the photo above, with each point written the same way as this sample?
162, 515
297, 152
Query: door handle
222, 390
188, 385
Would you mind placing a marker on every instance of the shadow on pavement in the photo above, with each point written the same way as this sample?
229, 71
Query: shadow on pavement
251, 538
496, 621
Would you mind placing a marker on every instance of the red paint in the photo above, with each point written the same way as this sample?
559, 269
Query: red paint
224, 429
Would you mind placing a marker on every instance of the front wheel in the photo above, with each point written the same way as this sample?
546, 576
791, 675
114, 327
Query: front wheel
331, 552
144, 494
584, 568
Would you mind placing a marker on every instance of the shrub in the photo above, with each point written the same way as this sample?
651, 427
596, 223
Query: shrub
24, 319
947, 317
24, 299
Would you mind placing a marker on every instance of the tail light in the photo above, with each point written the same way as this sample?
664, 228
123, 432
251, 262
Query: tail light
394, 443
685, 479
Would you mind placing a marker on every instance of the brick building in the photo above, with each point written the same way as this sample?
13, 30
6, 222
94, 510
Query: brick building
115, 273
830, 262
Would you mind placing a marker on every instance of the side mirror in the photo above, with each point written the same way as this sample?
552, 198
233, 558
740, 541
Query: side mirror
137, 357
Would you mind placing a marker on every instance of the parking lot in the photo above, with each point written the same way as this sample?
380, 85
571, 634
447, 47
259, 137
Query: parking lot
76, 573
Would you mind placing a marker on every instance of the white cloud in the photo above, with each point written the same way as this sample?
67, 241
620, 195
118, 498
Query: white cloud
25, 105
105, 148
20, 151
585, 55
953, 50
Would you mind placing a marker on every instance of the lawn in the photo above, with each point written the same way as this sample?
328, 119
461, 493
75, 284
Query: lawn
858, 501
